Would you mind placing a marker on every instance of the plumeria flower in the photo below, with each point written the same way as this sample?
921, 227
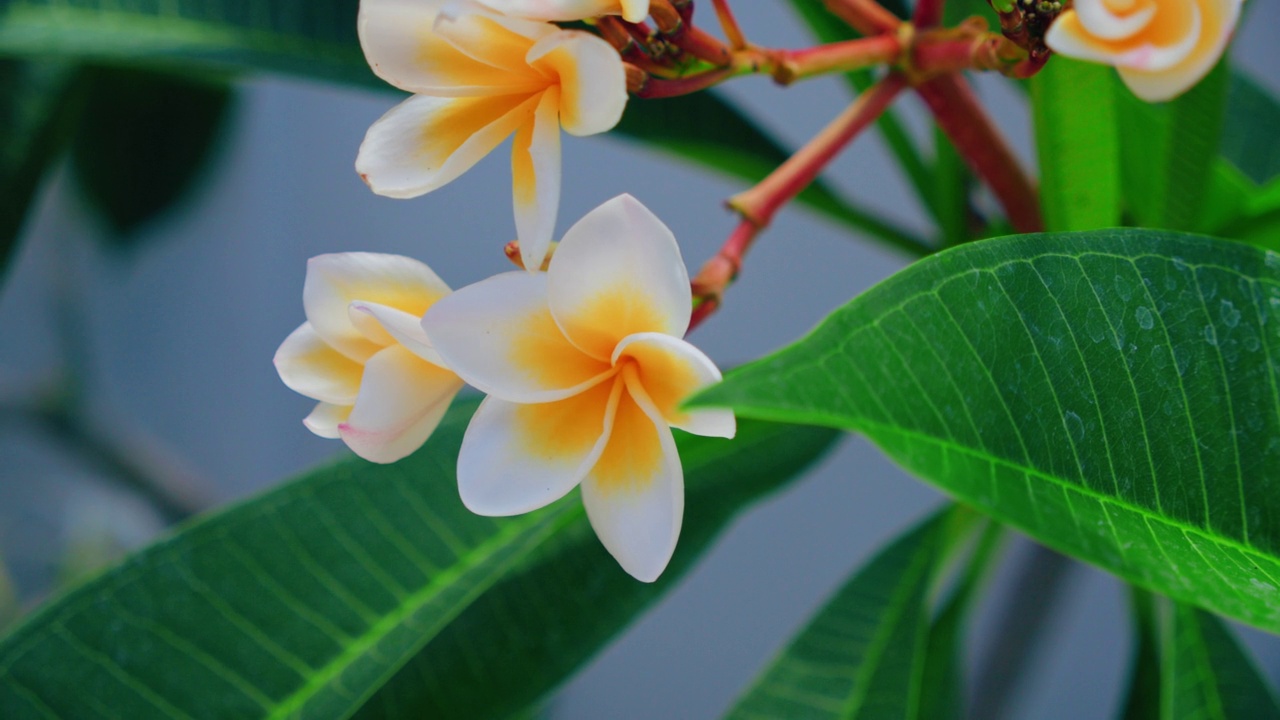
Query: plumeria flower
568, 10
363, 355
479, 76
585, 368
1160, 47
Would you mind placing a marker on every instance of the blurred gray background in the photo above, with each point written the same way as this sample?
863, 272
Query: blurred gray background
177, 339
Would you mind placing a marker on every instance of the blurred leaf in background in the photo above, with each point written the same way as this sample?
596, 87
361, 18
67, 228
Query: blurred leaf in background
145, 143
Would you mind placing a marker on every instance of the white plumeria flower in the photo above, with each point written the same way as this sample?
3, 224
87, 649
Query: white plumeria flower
477, 77
363, 354
1160, 47
568, 10
585, 367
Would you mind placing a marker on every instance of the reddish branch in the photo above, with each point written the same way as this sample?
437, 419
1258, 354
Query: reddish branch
868, 17
758, 205
971, 130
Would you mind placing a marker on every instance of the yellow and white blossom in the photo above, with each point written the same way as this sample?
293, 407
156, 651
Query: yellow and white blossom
363, 355
479, 76
585, 368
1160, 47
568, 10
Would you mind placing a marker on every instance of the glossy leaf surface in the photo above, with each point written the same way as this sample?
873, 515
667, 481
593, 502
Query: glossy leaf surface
306, 601
1114, 394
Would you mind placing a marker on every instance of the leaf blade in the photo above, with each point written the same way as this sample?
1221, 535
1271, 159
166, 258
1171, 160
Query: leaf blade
1009, 373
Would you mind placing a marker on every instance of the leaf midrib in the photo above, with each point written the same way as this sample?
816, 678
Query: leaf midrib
871, 428
417, 600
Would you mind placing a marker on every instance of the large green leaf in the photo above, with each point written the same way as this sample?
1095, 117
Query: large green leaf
548, 616
300, 603
1113, 394
1167, 151
862, 656
1078, 144
1249, 137
1207, 675
35, 109
146, 140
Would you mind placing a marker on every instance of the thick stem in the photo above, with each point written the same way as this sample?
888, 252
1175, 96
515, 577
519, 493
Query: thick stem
971, 130
761, 202
729, 24
868, 17
758, 205
844, 56
981, 51
927, 14
655, 88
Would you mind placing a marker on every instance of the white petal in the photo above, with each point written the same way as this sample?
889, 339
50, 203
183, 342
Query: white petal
520, 457
401, 45
535, 173
635, 10
593, 84
634, 495
492, 38
618, 272
425, 142
1219, 20
325, 419
1101, 22
335, 281
559, 10
398, 326
309, 366
402, 398
499, 336
670, 370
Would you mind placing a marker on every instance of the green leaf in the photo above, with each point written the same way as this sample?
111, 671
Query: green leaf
313, 38
1113, 394
146, 140
1167, 151
1078, 145
303, 602
707, 129
546, 618
862, 655
35, 109
952, 180
1142, 699
9, 607
1206, 674
1249, 138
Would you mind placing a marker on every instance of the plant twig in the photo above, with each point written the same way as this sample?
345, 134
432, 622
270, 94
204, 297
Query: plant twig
927, 13
972, 131
758, 205
868, 17
729, 24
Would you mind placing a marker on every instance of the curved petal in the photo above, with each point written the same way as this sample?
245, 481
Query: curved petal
499, 336
1219, 20
1101, 20
634, 495
492, 38
325, 419
535, 174
618, 272
335, 281
520, 457
668, 371
1167, 40
425, 142
309, 366
402, 398
559, 10
401, 45
394, 326
592, 81
635, 11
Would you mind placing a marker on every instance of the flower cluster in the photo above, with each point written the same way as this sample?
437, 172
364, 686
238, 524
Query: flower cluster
584, 364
